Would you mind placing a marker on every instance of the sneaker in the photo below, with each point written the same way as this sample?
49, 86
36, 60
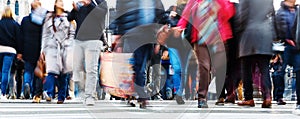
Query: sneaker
169, 94
157, 97
3, 97
179, 100
297, 110
60, 102
90, 102
202, 104
26, 91
22, 96
46, 96
131, 103
143, 104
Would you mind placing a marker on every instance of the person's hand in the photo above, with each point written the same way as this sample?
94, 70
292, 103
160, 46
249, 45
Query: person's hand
20, 57
165, 55
162, 34
177, 31
173, 14
291, 42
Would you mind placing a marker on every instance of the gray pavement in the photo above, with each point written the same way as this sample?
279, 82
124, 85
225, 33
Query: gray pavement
157, 109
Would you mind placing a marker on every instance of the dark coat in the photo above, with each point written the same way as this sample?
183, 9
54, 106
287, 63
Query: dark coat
31, 40
283, 17
131, 13
90, 20
10, 33
257, 27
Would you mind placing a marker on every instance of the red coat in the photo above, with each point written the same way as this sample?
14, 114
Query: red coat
225, 12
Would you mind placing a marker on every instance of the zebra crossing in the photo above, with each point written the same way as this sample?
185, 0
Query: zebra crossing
157, 109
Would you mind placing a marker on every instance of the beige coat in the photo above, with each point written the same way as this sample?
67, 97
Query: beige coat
57, 46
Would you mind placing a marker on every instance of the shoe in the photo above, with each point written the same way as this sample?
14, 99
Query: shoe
230, 99
179, 100
131, 103
143, 104
297, 110
247, 103
90, 102
157, 97
60, 102
22, 96
202, 104
13, 96
267, 103
26, 91
36, 99
281, 102
169, 93
47, 97
68, 98
3, 97
220, 102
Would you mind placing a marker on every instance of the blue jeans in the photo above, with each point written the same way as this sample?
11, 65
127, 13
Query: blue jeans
176, 77
6, 60
61, 83
28, 75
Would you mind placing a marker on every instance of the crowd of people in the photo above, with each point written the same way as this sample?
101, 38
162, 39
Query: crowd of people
176, 52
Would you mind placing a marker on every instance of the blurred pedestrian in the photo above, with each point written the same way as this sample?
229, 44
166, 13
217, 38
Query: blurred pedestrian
257, 31
9, 47
57, 37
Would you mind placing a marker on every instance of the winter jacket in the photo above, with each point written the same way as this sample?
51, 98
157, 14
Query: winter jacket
257, 27
133, 13
90, 20
225, 13
284, 22
10, 34
31, 40
57, 44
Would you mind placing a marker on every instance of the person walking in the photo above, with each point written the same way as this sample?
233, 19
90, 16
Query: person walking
257, 32
9, 47
57, 37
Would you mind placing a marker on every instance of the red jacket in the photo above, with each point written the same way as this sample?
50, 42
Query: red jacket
225, 12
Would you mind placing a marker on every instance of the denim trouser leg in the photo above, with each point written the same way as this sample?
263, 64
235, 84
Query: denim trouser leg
141, 58
61, 83
175, 62
28, 74
7, 59
50, 84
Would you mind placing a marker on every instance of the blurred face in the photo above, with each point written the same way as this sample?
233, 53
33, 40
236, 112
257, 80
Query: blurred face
291, 1
59, 4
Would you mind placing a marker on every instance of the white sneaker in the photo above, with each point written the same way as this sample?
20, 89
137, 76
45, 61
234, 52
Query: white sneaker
3, 97
297, 110
89, 102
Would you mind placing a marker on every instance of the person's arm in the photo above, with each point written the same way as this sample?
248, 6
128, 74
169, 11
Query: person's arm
186, 14
19, 47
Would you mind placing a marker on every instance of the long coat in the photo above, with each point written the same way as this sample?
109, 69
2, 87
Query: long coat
57, 46
31, 40
257, 27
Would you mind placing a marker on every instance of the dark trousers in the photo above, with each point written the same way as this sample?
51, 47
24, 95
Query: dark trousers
262, 61
278, 83
233, 72
142, 61
208, 58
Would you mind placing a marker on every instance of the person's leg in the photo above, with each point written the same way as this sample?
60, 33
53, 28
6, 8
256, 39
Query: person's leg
49, 85
61, 83
263, 64
28, 77
91, 54
204, 66
6, 68
19, 77
78, 67
247, 63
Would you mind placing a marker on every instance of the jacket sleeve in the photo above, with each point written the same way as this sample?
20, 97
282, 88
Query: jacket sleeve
21, 38
46, 35
72, 15
242, 16
186, 14
281, 24
18, 38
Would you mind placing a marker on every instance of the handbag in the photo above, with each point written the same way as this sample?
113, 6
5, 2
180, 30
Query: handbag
40, 69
